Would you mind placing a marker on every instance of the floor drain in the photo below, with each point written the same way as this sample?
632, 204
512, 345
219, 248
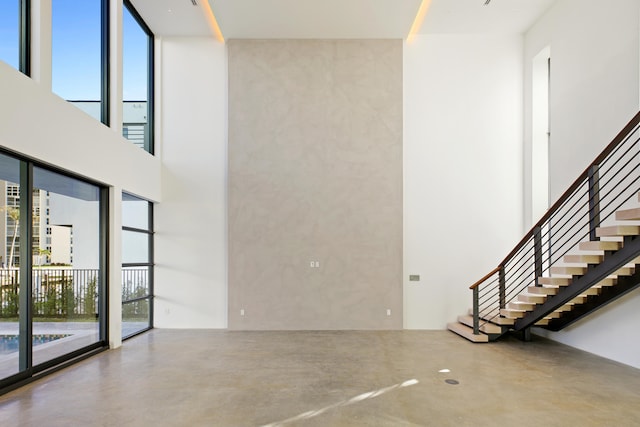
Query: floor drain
452, 382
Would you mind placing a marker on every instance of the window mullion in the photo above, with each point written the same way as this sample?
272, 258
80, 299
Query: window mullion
26, 248
25, 37
105, 73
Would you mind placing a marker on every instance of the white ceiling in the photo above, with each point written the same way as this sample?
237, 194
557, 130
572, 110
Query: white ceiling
315, 19
323, 19
173, 17
472, 16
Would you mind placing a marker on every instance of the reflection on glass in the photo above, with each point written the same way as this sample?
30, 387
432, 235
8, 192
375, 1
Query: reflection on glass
66, 262
135, 212
135, 282
135, 247
135, 81
135, 317
9, 273
10, 32
76, 48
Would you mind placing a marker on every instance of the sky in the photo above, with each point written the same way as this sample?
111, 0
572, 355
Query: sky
9, 32
75, 48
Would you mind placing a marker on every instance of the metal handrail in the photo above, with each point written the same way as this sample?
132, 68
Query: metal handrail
622, 135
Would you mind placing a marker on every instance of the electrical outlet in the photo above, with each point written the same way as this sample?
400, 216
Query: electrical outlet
242, 312
388, 312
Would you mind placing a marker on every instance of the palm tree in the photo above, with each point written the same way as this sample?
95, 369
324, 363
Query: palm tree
14, 214
40, 253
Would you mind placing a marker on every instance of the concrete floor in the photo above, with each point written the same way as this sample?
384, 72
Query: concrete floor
222, 378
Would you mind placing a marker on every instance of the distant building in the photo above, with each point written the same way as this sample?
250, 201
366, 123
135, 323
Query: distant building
134, 119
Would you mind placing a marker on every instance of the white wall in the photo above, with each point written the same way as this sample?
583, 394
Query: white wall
190, 223
41, 125
594, 93
462, 168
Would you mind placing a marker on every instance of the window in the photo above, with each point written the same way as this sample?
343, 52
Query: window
80, 45
46, 296
14, 34
137, 79
137, 265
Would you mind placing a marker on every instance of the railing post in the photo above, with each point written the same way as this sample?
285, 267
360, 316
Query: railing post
502, 287
594, 201
476, 310
537, 251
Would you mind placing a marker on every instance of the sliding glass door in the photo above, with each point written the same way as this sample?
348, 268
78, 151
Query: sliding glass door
52, 282
9, 273
66, 263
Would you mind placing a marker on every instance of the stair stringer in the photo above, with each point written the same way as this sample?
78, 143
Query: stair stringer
609, 294
579, 284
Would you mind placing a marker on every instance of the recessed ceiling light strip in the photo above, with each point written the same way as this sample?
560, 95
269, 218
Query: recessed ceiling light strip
211, 19
417, 22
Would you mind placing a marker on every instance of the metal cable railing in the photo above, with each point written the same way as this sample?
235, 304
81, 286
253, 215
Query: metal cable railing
607, 185
66, 292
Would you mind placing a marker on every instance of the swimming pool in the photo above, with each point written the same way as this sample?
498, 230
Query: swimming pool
9, 343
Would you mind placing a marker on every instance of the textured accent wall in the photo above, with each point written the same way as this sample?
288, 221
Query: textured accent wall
315, 174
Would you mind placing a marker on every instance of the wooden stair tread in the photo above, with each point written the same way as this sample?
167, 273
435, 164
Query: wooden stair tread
564, 270
486, 327
628, 214
512, 314
503, 321
624, 271
578, 300
521, 306
493, 317
609, 281
543, 290
467, 332
594, 290
583, 259
568, 270
555, 281
532, 298
618, 230
599, 245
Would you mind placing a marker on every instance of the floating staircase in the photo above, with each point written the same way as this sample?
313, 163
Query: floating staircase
576, 265
583, 254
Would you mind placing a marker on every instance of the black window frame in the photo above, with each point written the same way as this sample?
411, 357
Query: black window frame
105, 55
27, 371
150, 263
149, 145
25, 37
105, 71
